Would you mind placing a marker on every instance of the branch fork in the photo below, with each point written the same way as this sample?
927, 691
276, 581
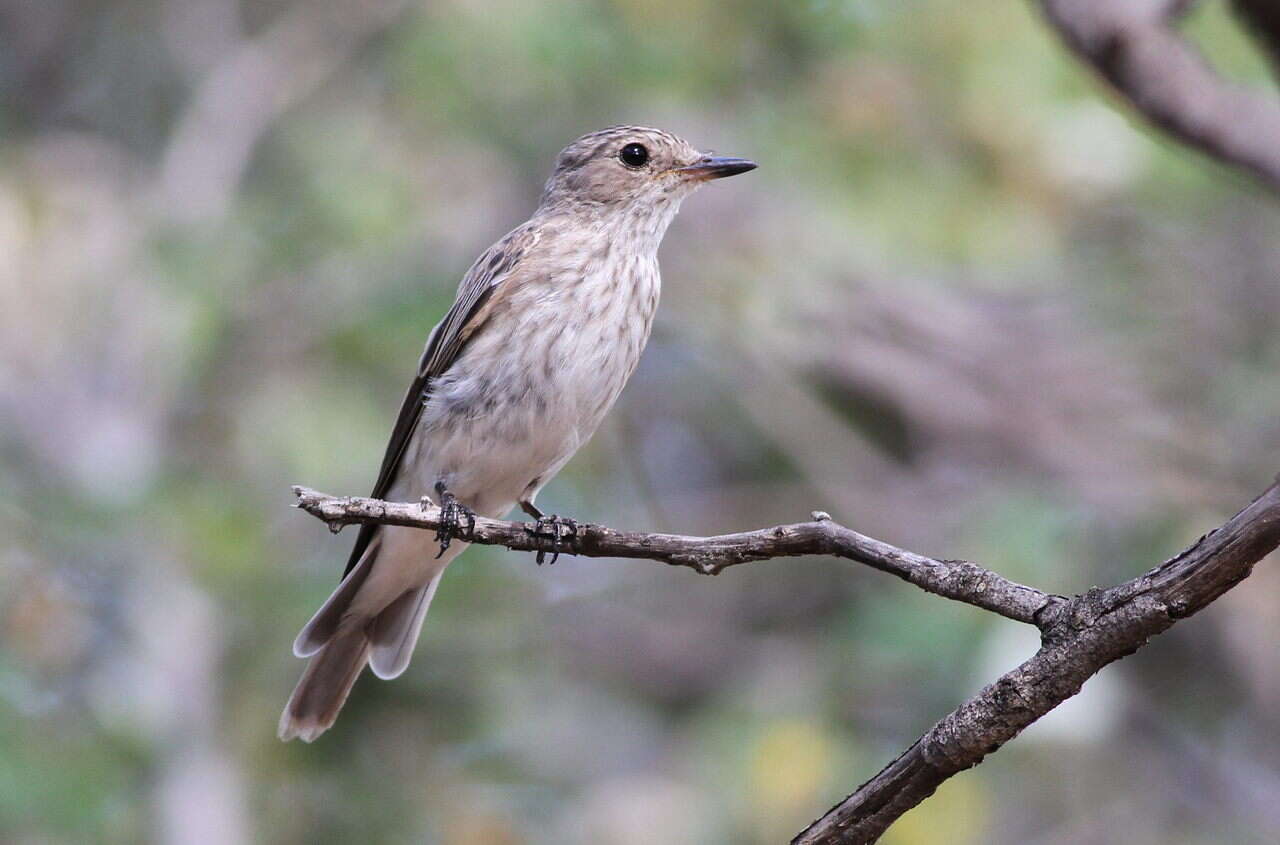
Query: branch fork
1079, 635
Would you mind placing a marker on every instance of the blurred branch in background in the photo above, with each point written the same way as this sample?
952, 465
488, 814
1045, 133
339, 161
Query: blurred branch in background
1134, 45
1080, 635
236, 102
954, 380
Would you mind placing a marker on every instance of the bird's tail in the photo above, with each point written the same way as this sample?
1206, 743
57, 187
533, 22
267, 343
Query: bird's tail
326, 682
373, 618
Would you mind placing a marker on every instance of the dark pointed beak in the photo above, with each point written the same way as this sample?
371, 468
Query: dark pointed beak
716, 167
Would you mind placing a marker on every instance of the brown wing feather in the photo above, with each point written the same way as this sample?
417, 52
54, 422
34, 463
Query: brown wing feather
446, 341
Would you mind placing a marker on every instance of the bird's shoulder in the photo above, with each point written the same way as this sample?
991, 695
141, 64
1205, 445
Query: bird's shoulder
534, 256
497, 273
505, 255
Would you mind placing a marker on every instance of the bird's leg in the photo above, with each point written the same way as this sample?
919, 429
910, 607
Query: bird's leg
452, 513
557, 527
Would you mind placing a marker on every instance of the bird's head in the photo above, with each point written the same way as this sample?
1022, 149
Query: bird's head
633, 168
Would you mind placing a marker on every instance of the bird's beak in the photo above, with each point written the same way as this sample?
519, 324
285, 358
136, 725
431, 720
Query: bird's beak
715, 167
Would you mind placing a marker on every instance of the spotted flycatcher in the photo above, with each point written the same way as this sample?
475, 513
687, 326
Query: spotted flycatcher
546, 329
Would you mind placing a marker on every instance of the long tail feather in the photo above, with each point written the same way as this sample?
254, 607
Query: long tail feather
394, 633
325, 684
324, 623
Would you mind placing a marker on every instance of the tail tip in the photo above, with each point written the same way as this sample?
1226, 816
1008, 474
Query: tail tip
296, 727
325, 683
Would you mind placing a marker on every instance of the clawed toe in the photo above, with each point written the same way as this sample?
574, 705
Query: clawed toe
559, 529
452, 515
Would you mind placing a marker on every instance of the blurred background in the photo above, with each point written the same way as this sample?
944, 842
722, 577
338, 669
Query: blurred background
966, 305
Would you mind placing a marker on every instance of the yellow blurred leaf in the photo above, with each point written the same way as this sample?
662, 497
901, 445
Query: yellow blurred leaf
789, 767
957, 814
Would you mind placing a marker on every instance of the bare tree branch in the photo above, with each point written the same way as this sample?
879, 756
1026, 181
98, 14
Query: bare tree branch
1134, 45
952, 579
1080, 635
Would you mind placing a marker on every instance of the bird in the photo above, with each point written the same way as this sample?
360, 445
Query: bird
546, 329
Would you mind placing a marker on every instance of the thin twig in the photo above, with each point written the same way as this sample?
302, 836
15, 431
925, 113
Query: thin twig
953, 579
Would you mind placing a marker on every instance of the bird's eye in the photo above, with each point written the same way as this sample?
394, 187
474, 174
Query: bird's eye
634, 155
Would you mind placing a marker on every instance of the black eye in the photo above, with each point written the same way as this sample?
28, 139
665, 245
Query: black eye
634, 155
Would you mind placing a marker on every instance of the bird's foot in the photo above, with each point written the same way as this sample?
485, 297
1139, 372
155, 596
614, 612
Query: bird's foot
560, 529
452, 515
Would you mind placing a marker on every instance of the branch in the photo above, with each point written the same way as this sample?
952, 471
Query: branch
952, 579
1079, 635
1134, 46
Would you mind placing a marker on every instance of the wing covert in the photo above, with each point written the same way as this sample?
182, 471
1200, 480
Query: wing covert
443, 347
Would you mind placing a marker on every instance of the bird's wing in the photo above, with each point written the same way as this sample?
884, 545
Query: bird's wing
468, 313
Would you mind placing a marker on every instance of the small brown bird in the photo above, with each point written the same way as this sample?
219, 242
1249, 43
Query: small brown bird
546, 329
